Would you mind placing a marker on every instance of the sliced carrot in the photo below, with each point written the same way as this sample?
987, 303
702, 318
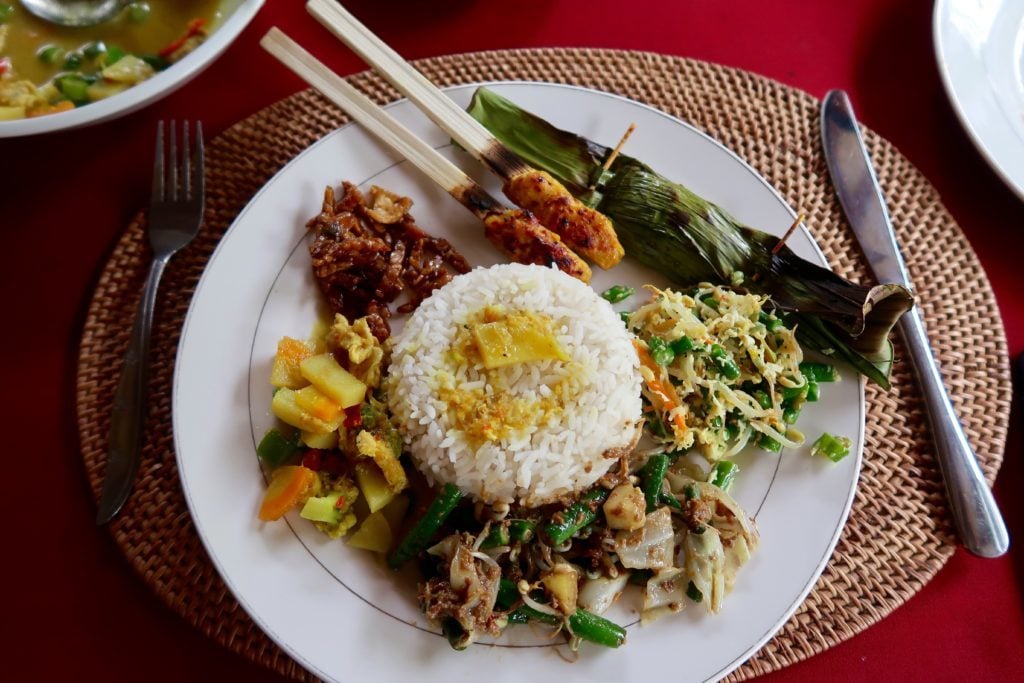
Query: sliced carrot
666, 396
194, 27
288, 486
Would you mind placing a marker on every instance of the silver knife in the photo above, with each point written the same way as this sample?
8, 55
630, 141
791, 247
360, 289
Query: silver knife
975, 513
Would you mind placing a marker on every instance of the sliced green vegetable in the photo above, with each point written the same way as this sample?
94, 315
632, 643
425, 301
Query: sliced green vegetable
762, 398
813, 391
275, 448
521, 530
819, 372
497, 536
584, 511
790, 415
419, 536
73, 61
835, 448
670, 500
652, 476
624, 317
694, 593
112, 56
74, 87
723, 474
6, 10
661, 353
454, 633
682, 345
94, 49
508, 594
589, 626
137, 11
617, 293
726, 365
323, 509
50, 54
769, 444
156, 61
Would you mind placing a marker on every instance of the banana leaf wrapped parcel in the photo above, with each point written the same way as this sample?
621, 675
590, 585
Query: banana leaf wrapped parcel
668, 228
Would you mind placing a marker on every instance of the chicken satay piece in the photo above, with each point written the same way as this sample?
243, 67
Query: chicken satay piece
519, 235
585, 230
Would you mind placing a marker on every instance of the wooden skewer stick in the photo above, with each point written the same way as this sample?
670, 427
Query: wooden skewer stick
789, 233
615, 153
440, 108
380, 123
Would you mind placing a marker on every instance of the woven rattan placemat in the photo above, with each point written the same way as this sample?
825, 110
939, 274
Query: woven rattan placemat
898, 534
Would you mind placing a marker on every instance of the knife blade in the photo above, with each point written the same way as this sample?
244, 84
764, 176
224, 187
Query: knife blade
977, 518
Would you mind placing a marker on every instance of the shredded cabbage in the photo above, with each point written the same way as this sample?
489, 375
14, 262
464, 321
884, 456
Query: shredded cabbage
713, 371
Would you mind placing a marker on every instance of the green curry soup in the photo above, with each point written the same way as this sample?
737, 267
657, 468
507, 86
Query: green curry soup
46, 68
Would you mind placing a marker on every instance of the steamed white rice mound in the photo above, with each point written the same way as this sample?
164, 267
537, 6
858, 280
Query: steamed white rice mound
582, 412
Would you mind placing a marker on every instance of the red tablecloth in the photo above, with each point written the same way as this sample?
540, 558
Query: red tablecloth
78, 609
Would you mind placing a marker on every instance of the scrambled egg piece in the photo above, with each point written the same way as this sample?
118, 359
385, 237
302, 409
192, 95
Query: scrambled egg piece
371, 446
365, 353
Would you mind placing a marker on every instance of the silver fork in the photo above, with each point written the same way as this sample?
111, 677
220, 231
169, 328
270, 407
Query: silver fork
175, 214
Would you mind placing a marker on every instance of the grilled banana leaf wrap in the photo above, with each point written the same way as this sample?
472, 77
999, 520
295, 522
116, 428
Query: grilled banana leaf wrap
668, 228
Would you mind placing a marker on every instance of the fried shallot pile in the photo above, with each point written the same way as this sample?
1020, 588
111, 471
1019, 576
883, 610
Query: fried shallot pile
367, 251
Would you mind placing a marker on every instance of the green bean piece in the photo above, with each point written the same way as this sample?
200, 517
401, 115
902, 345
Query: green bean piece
589, 626
497, 536
138, 11
820, 372
723, 474
74, 61
769, 444
6, 10
770, 321
653, 475
682, 345
726, 365
521, 530
275, 448
790, 414
156, 61
624, 317
575, 517
813, 391
617, 293
694, 593
74, 87
113, 55
670, 500
419, 536
508, 594
763, 399
455, 634
709, 301
50, 54
691, 491
525, 613
661, 352
835, 448
794, 393
657, 427
94, 49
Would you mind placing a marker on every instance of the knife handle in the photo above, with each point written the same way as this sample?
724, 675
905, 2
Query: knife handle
978, 522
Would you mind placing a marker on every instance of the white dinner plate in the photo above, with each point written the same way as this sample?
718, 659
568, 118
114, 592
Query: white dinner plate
979, 45
337, 610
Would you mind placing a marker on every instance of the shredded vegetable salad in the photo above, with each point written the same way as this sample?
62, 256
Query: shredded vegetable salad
720, 371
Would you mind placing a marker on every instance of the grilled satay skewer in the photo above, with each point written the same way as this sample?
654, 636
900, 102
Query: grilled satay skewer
515, 232
586, 230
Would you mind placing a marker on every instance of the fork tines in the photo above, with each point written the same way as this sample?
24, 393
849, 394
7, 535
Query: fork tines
191, 185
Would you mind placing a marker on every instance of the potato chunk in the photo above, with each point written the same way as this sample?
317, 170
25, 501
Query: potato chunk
626, 508
337, 383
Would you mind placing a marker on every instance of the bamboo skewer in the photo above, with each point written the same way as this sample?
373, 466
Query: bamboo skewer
440, 108
421, 155
516, 233
789, 233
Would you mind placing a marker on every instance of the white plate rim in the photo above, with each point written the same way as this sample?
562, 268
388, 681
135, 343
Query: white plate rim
995, 155
289, 647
